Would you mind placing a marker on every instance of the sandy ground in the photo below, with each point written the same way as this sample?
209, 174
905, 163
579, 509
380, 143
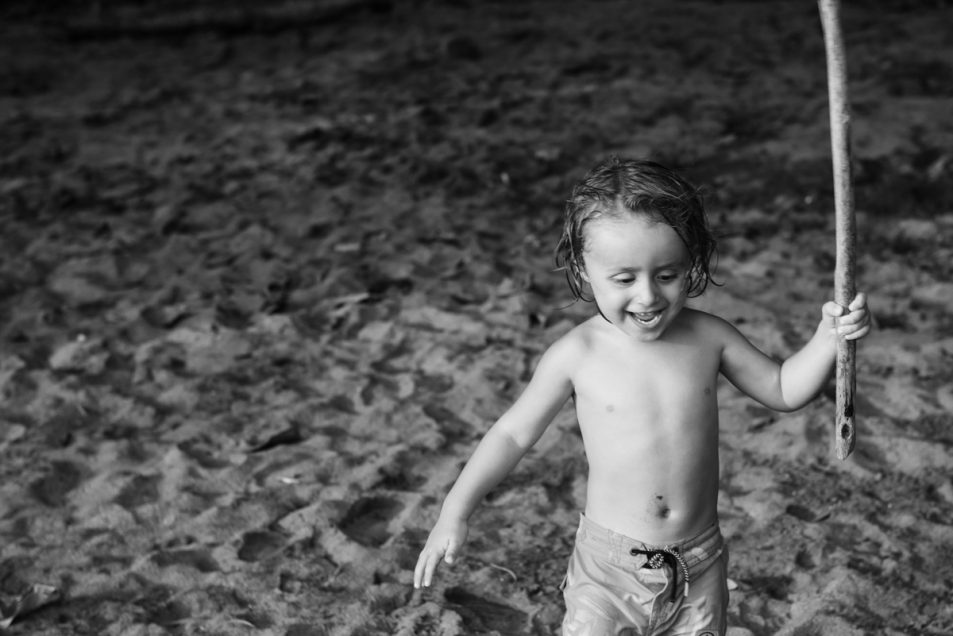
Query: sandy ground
261, 293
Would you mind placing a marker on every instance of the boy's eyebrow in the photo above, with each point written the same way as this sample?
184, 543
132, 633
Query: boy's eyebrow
669, 265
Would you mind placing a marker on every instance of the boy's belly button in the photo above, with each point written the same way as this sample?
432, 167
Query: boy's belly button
660, 508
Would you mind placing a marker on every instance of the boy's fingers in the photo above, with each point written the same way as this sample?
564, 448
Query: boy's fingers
833, 309
853, 318
429, 567
451, 552
421, 577
860, 301
428, 562
419, 570
429, 570
860, 333
423, 573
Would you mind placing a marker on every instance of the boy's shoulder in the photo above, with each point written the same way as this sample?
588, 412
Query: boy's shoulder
577, 341
707, 326
701, 318
583, 334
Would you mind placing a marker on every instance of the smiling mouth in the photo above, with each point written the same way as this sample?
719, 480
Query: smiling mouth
648, 318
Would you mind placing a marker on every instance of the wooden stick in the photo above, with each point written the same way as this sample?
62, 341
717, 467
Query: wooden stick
846, 231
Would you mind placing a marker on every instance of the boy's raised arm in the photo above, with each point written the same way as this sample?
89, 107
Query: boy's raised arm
789, 385
803, 374
499, 451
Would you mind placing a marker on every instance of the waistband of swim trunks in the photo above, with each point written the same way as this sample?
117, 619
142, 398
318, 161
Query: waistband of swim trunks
706, 545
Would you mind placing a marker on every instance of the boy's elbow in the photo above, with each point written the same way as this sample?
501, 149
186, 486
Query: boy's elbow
788, 408
788, 404
780, 405
510, 440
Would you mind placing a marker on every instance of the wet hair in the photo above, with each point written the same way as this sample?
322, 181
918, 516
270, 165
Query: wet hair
616, 186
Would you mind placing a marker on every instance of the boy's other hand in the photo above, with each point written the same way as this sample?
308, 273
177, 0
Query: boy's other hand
444, 542
852, 323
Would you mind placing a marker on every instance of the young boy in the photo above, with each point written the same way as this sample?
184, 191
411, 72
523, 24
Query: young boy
649, 557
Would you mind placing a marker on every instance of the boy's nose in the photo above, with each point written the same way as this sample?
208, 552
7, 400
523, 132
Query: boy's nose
645, 292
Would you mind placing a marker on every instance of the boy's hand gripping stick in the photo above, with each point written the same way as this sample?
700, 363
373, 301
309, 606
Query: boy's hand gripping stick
846, 231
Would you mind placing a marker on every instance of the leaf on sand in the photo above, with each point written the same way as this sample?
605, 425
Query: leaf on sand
290, 435
806, 514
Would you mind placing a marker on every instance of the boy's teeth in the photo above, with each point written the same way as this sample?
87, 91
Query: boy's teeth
646, 317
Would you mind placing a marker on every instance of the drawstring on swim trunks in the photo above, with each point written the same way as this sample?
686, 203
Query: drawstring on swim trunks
672, 556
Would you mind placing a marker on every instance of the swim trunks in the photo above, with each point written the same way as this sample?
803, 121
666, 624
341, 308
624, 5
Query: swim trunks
619, 586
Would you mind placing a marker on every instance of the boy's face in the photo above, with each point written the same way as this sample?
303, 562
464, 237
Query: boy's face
637, 269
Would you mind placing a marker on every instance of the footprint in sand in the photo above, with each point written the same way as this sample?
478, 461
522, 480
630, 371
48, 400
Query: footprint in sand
140, 490
198, 558
367, 519
261, 544
53, 488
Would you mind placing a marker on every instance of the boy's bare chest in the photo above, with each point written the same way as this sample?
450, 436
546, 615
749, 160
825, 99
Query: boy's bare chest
667, 376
